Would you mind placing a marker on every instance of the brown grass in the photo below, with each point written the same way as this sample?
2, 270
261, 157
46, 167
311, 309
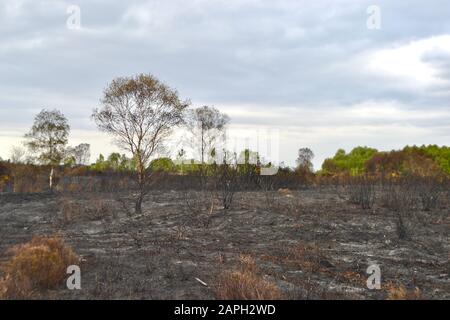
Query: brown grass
246, 284
352, 277
307, 257
401, 293
34, 266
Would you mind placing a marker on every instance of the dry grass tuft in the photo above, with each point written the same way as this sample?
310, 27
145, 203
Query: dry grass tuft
247, 264
246, 284
308, 257
352, 277
401, 293
40, 264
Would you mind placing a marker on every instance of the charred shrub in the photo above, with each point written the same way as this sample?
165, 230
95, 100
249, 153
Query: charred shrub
430, 191
267, 185
92, 208
226, 183
197, 192
361, 191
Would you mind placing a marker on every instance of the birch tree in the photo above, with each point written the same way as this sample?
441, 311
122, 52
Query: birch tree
140, 112
206, 124
48, 138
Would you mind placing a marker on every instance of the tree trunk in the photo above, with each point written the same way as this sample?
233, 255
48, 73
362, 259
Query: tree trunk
203, 146
141, 184
138, 205
50, 179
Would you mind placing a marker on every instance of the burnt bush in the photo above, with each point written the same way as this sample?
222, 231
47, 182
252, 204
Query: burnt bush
399, 193
86, 207
414, 192
24, 178
226, 183
361, 191
198, 194
267, 184
430, 191
406, 196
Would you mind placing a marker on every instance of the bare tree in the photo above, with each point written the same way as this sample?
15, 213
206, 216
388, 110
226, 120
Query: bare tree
206, 124
304, 160
17, 155
80, 154
48, 137
140, 112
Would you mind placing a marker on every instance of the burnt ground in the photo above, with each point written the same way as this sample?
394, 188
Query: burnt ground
313, 244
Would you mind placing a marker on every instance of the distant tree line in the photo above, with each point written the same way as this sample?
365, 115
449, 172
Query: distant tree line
423, 161
141, 112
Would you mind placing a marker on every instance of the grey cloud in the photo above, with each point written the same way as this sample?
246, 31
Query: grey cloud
273, 54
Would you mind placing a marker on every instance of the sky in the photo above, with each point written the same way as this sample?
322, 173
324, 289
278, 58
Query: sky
321, 74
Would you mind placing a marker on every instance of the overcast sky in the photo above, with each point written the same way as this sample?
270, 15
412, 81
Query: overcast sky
311, 69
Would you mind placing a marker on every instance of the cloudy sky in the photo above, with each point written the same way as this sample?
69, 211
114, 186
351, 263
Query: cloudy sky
312, 70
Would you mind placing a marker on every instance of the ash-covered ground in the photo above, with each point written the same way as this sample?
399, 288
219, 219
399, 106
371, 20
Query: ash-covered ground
313, 244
